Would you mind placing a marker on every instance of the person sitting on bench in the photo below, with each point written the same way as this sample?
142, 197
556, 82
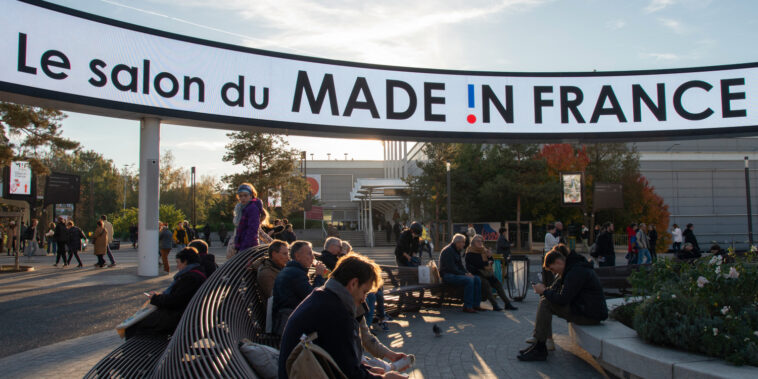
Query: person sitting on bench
453, 273
575, 296
207, 260
172, 302
407, 245
332, 252
269, 269
292, 286
331, 313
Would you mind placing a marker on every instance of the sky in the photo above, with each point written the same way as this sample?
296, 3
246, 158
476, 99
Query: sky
489, 35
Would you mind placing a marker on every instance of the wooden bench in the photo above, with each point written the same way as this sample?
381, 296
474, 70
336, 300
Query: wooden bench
226, 309
617, 277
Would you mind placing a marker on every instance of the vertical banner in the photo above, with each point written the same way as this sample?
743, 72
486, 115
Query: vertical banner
314, 181
572, 188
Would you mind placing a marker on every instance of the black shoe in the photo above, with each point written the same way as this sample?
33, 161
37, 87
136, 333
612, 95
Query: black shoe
496, 308
537, 352
522, 351
510, 307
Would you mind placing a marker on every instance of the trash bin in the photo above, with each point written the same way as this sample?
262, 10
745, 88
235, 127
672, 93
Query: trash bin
517, 278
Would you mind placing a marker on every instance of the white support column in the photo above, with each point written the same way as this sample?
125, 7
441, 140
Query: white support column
149, 187
403, 174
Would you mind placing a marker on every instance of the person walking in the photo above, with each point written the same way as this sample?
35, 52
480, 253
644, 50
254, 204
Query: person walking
133, 231
689, 237
100, 242
165, 242
604, 247
181, 239
50, 239
75, 237
643, 245
652, 235
32, 246
207, 234
676, 234
108, 228
61, 241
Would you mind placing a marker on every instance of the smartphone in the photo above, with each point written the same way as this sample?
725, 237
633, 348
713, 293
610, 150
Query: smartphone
147, 294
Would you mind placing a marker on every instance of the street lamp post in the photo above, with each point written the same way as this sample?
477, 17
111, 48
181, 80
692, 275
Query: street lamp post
449, 207
192, 183
749, 205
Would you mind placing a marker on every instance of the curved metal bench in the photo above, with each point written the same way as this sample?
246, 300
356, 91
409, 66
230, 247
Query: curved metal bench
225, 310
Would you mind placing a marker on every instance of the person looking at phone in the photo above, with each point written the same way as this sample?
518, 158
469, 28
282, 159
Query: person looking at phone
575, 296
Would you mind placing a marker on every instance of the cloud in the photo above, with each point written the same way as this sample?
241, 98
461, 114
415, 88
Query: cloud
663, 56
615, 24
389, 32
675, 25
657, 5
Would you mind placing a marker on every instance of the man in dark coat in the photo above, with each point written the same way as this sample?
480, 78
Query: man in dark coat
292, 285
174, 300
454, 273
689, 237
407, 245
331, 313
604, 246
332, 252
503, 246
61, 240
576, 296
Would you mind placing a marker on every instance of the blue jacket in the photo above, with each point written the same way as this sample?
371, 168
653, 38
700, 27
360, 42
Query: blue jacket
291, 286
324, 313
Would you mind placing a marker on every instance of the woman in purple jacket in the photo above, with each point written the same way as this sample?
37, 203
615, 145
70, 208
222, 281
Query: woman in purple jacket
250, 220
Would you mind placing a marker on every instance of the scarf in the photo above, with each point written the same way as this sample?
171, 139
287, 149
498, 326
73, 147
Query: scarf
181, 272
238, 213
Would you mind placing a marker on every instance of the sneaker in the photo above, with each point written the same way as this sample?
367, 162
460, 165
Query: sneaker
111, 265
55, 265
550, 344
80, 265
497, 308
469, 310
534, 353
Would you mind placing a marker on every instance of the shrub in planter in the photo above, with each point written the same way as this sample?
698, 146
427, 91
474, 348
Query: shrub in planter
704, 306
625, 313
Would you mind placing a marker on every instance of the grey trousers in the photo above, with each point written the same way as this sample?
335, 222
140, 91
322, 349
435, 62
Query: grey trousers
543, 325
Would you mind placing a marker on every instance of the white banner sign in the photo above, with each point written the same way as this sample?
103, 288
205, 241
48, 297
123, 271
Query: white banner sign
20, 179
53, 55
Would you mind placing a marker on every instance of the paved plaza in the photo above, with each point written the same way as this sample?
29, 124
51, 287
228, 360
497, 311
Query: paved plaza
59, 323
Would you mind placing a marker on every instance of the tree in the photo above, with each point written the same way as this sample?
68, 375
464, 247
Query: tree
27, 132
270, 165
101, 190
125, 218
429, 190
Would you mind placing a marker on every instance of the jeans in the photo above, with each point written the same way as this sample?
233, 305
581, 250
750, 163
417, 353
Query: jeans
51, 245
100, 260
375, 303
31, 248
110, 255
472, 288
543, 325
644, 253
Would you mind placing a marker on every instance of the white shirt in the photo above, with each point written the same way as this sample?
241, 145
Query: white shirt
677, 234
550, 241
